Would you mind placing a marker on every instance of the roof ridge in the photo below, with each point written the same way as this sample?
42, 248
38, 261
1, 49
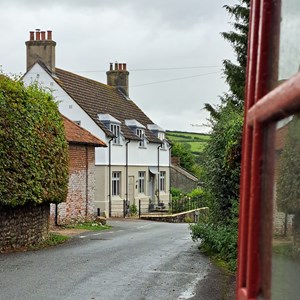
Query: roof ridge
87, 79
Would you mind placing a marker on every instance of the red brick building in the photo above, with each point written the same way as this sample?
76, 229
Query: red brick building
79, 205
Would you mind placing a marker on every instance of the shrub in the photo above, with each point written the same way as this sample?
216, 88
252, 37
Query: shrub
33, 147
133, 209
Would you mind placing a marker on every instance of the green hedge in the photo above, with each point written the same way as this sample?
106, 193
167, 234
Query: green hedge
33, 147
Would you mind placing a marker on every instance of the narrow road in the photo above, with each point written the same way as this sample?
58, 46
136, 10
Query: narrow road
134, 260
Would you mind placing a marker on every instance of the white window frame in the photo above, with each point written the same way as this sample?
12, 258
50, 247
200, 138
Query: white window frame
116, 183
161, 135
115, 129
141, 182
141, 134
162, 181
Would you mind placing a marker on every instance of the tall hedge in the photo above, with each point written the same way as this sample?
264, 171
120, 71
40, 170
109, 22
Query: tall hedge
33, 146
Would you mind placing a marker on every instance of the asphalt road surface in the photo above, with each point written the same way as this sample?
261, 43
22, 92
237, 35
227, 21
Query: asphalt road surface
134, 260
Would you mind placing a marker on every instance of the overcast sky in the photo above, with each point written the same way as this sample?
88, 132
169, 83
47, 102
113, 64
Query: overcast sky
173, 48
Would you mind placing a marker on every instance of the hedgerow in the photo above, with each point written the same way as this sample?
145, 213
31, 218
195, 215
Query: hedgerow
33, 146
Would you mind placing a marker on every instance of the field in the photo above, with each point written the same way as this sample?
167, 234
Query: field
196, 141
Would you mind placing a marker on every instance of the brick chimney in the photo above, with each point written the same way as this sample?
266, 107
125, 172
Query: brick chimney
118, 77
40, 47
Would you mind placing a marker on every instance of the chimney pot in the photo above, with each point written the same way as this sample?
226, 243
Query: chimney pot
38, 35
124, 67
43, 35
49, 35
31, 35
110, 66
120, 67
116, 66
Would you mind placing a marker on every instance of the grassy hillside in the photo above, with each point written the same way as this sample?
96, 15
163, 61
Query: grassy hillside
196, 141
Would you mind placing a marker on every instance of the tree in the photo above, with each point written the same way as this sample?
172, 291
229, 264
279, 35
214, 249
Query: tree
33, 147
223, 152
183, 152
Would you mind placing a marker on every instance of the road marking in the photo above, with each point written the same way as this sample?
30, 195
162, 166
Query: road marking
173, 272
82, 236
190, 291
140, 227
110, 232
97, 233
120, 230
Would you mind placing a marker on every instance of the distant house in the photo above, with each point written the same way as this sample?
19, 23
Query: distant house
135, 165
79, 205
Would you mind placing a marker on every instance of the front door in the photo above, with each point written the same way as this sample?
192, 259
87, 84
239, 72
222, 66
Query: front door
131, 190
151, 187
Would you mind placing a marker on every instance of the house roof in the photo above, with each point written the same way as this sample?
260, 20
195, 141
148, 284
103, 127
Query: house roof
97, 98
78, 135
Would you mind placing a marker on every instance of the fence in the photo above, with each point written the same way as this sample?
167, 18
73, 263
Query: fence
178, 205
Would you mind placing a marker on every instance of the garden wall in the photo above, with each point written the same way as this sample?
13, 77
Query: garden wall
23, 225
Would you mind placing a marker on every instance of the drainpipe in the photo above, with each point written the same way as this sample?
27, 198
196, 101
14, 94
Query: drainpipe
170, 164
86, 180
127, 174
109, 177
158, 179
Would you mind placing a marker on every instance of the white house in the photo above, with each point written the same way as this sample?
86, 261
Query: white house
135, 165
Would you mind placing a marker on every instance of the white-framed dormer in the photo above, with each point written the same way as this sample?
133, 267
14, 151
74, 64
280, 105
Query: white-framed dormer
159, 133
139, 130
113, 125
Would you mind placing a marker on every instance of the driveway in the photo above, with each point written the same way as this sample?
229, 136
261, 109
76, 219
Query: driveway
134, 260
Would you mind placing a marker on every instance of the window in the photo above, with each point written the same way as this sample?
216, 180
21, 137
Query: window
115, 129
140, 133
141, 180
161, 135
115, 187
162, 181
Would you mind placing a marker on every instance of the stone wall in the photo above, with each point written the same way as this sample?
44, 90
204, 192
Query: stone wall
191, 216
182, 180
79, 205
23, 226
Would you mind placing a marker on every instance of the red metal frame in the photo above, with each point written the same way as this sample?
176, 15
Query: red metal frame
262, 109
258, 76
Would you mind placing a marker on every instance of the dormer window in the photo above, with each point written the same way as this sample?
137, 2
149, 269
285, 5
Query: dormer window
115, 129
161, 135
113, 125
138, 129
141, 134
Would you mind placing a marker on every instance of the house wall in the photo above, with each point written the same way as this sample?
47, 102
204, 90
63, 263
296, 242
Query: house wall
117, 202
79, 205
22, 226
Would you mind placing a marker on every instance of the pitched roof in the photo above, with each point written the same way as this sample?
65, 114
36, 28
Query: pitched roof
78, 135
98, 98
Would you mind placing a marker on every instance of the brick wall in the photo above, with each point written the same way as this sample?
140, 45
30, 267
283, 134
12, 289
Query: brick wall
23, 226
79, 205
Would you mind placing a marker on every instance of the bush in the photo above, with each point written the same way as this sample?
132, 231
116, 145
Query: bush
33, 147
133, 209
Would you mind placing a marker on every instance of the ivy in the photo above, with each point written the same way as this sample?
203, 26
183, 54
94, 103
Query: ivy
33, 147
